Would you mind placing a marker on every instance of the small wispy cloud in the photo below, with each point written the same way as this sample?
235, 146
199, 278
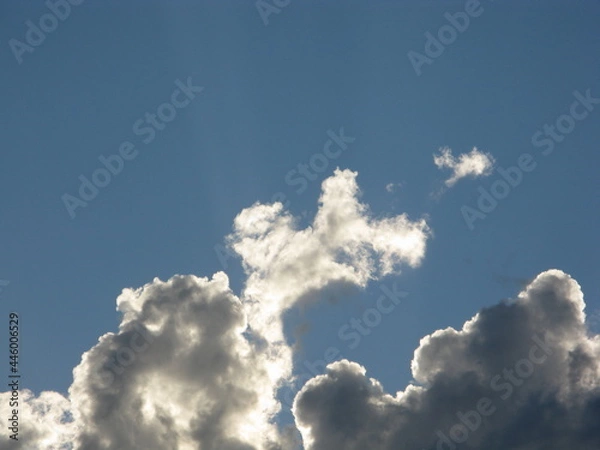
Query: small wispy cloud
393, 187
474, 164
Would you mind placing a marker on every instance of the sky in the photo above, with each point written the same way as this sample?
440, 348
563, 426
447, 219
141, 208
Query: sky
206, 203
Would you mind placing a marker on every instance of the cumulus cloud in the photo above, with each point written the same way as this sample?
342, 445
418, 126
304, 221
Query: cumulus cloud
194, 378
195, 366
473, 164
344, 246
524, 374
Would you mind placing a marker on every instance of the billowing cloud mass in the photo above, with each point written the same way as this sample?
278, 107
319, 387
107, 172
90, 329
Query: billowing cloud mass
193, 365
190, 375
473, 164
521, 375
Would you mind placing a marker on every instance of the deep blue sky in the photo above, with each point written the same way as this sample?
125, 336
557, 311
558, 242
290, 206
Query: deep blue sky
270, 95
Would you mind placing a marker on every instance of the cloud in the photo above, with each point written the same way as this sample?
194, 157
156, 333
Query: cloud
198, 380
392, 187
529, 364
474, 164
193, 365
344, 246
44, 422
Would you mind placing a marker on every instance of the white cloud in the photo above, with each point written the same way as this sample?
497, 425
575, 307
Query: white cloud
198, 380
44, 422
473, 164
343, 246
195, 366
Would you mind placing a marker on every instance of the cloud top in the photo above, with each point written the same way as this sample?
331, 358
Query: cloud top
344, 246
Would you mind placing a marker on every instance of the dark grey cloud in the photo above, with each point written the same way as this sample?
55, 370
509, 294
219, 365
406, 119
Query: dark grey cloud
524, 374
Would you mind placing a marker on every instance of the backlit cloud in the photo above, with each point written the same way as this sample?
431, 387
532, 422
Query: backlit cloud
522, 374
193, 365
